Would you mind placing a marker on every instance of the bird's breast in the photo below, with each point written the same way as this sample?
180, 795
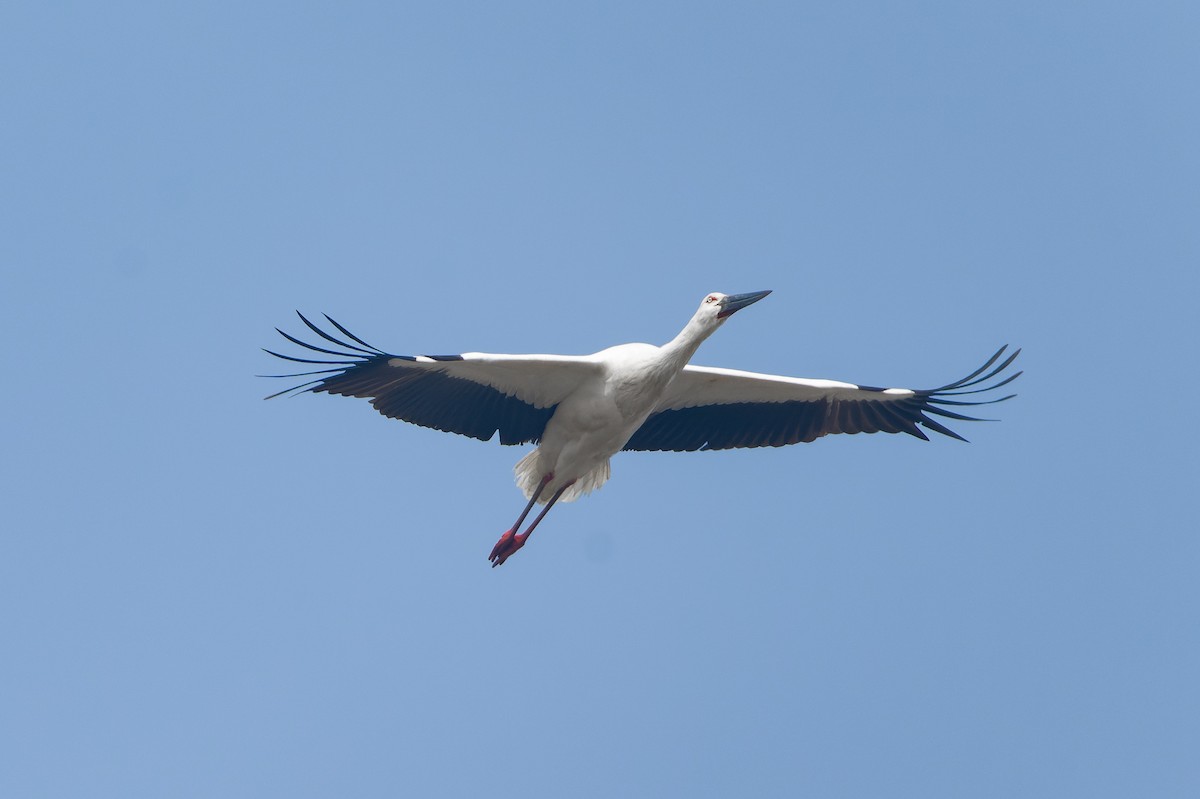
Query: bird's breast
602, 413
636, 398
635, 393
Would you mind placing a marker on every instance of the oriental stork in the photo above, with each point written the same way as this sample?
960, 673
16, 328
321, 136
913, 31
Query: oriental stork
582, 409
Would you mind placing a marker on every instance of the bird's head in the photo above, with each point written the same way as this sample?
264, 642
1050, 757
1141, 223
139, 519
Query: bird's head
718, 307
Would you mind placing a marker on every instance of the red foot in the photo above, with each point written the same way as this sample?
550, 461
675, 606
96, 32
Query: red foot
506, 546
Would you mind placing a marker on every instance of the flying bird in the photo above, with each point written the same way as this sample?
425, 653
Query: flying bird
582, 409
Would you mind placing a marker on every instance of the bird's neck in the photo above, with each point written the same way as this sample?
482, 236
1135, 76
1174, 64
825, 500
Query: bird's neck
679, 350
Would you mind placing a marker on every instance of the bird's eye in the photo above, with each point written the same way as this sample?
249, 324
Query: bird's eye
710, 298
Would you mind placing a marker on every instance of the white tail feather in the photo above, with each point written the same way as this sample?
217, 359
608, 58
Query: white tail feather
529, 476
588, 483
529, 473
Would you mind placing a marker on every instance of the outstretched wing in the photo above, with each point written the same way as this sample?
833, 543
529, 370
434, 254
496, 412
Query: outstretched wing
474, 394
707, 408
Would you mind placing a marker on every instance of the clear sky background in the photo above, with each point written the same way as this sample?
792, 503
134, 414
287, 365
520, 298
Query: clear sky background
203, 594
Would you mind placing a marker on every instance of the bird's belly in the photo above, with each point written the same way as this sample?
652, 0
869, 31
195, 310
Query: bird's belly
591, 426
583, 434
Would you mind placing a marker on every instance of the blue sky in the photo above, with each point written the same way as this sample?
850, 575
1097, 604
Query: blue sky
204, 594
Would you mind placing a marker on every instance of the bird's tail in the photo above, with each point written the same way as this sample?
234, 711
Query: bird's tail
529, 472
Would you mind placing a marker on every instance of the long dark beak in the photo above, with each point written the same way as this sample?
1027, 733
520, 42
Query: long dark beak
736, 302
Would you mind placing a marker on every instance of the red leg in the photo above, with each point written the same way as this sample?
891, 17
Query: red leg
510, 542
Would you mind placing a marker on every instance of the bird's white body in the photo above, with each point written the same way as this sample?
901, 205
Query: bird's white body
595, 421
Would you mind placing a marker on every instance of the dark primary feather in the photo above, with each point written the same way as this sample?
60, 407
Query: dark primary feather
777, 424
419, 395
